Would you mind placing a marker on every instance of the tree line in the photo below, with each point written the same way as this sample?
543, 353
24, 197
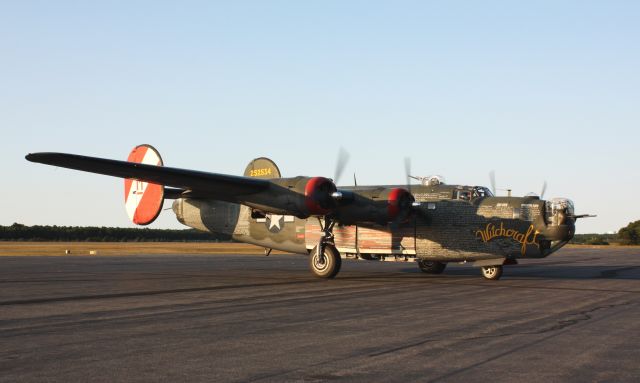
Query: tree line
628, 235
19, 232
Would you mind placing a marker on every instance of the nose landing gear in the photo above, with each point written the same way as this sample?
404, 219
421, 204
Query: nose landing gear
492, 273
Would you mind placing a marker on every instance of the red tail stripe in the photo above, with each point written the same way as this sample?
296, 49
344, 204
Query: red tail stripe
136, 155
150, 204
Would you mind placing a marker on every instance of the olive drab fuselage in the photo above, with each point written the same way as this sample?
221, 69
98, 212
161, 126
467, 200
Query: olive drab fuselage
452, 223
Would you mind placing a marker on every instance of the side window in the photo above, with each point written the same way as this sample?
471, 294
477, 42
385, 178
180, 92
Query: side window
464, 195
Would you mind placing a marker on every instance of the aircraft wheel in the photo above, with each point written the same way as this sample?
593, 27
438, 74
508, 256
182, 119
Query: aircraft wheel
431, 267
492, 273
327, 267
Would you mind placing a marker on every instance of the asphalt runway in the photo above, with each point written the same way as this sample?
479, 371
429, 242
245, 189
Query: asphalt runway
574, 317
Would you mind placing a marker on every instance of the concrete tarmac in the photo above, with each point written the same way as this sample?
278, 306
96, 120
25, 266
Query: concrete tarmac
573, 317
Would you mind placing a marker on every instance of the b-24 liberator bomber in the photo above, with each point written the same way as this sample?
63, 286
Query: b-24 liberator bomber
432, 223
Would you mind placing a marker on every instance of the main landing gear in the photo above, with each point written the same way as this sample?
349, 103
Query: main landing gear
324, 260
431, 267
325, 265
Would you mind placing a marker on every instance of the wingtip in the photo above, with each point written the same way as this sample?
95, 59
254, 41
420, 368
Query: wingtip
35, 157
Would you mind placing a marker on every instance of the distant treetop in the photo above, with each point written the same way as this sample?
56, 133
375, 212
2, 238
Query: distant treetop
630, 235
20, 232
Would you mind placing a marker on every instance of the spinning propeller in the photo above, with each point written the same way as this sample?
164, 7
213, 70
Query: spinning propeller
341, 163
492, 179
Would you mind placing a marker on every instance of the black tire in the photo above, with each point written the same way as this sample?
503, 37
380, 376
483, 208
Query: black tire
431, 267
331, 265
492, 273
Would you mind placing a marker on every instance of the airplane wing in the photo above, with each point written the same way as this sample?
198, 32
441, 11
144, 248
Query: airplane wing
220, 186
299, 196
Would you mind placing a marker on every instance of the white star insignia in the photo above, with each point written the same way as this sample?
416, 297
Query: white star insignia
274, 221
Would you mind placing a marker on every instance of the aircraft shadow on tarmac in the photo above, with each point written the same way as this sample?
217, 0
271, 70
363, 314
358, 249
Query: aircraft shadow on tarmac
547, 272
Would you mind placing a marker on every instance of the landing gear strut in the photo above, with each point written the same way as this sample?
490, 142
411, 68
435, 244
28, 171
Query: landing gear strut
324, 260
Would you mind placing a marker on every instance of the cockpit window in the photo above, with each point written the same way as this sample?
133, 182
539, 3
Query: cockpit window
481, 191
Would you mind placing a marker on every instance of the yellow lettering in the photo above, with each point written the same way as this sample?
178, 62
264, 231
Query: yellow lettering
530, 237
260, 172
502, 231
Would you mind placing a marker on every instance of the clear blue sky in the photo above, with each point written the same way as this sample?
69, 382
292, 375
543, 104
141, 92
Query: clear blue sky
544, 90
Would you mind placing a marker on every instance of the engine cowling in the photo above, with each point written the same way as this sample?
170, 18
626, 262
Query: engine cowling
399, 204
318, 198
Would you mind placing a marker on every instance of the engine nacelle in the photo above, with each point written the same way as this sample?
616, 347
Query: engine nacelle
299, 196
380, 206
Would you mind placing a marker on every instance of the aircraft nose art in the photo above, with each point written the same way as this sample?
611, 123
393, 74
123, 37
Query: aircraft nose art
143, 200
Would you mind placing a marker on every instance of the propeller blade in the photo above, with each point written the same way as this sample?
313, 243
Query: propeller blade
544, 189
343, 158
407, 172
407, 169
492, 179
